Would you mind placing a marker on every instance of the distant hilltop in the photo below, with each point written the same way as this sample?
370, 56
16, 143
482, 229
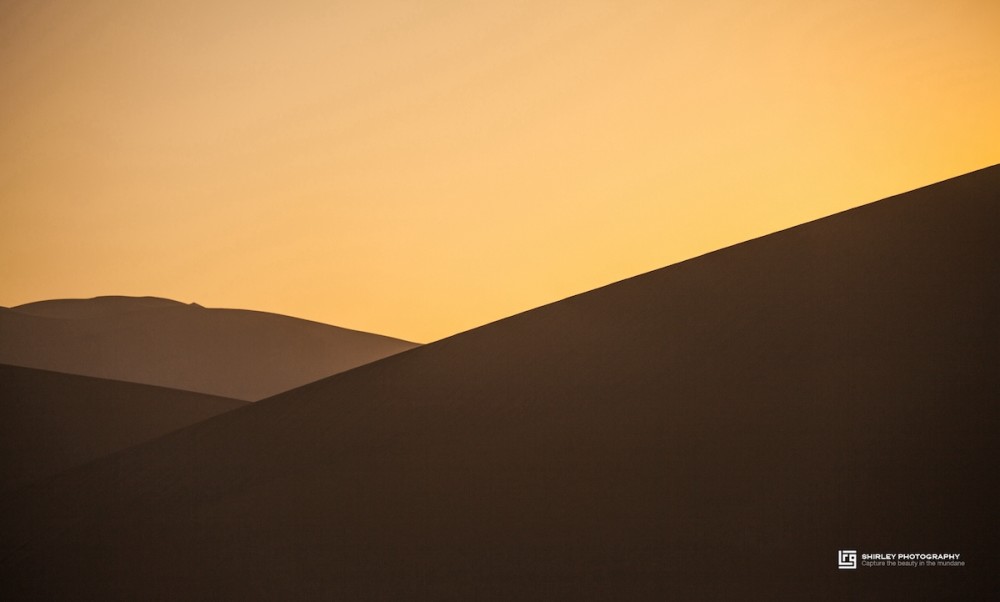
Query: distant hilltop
235, 353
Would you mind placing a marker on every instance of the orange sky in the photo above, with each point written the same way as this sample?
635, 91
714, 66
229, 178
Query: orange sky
421, 168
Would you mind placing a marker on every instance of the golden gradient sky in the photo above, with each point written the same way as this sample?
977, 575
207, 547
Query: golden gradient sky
421, 168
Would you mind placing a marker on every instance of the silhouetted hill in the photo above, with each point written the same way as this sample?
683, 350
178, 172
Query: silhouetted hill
50, 422
98, 307
717, 429
233, 353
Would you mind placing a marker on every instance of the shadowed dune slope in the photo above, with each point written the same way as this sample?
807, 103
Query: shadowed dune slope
717, 429
50, 422
233, 353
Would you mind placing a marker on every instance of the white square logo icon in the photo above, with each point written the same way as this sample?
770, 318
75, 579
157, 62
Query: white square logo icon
847, 559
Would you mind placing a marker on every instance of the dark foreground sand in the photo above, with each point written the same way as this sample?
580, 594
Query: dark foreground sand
50, 422
717, 429
229, 352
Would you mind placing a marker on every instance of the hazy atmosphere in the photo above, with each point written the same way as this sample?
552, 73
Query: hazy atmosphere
418, 169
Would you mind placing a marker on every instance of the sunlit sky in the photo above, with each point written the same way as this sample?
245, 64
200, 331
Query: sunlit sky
421, 168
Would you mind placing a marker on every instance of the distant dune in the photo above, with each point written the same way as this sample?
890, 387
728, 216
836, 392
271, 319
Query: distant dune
50, 422
715, 430
241, 354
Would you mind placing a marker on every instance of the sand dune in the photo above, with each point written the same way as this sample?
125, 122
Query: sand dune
98, 307
232, 353
50, 422
717, 429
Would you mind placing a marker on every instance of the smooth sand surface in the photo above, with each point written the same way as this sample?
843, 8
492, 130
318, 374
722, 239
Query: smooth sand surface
717, 429
233, 353
50, 422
